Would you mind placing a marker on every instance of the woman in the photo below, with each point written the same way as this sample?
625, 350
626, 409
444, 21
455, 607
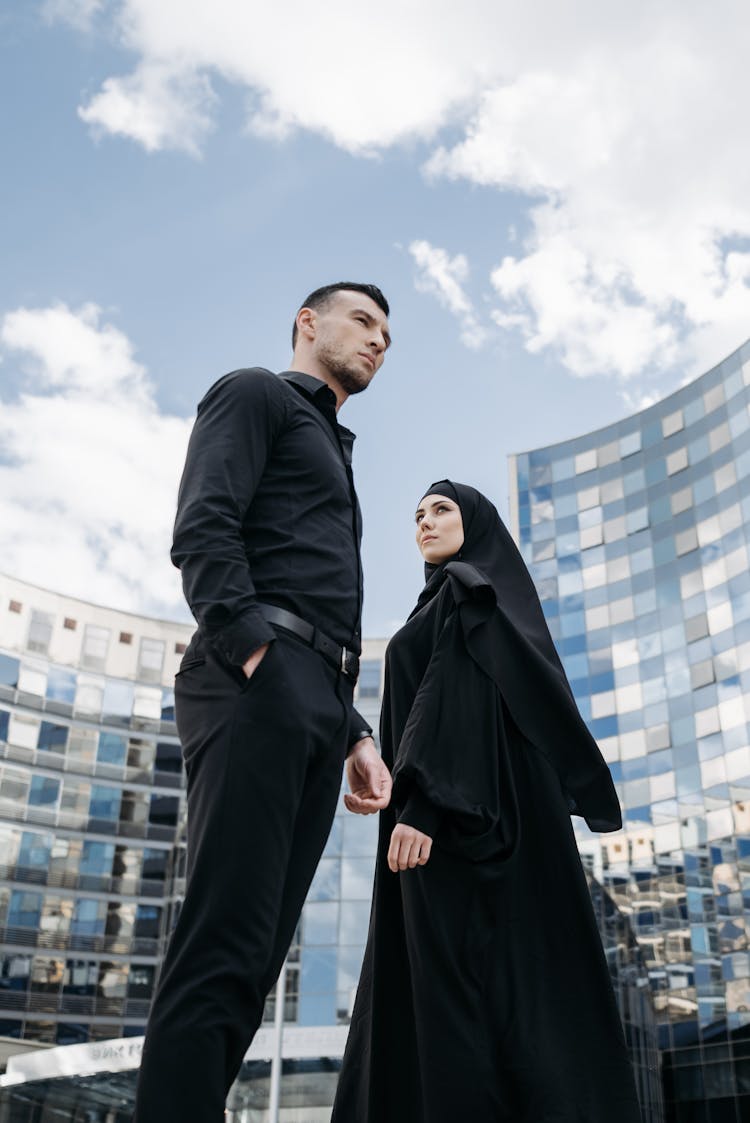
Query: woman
484, 995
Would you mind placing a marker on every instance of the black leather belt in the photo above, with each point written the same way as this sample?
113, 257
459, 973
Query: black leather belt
345, 661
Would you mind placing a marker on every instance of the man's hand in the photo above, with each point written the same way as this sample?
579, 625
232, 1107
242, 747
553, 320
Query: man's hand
250, 665
369, 779
409, 848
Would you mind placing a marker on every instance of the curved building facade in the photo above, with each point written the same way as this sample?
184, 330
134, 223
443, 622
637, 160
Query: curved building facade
638, 538
91, 793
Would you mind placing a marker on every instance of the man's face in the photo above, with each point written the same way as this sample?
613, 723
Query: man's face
351, 339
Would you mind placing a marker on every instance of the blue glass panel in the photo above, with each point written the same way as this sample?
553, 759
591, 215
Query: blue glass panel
88, 917
604, 727
112, 748
4, 723
167, 704
24, 909
117, 700
9, 671
43, 792
104, 803
634, 481
52, 738
698, 450
635, 769
651, 433
317, 998
35, 850
630, 443
61, 685
320, 923
693, 411
96, 858
656, 471
640, 814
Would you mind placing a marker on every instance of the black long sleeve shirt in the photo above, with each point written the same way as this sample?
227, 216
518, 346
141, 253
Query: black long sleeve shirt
267, 512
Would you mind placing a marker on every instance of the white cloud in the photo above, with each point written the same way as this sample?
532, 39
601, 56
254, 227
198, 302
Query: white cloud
444, 277
634, 148
624, 126
89, 466
362, 78
156, 106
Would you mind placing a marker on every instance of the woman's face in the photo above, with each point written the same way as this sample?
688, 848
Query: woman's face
440, 528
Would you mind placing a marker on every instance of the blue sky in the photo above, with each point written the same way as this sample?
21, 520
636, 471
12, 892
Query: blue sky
178, 176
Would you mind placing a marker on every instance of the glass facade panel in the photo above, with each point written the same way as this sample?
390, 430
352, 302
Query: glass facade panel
672, 717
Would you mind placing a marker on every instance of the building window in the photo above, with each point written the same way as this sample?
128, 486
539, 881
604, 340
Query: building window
61, 685
164, 810
150, 660
24, 910
586, 461
95, 644
9, 671
88, 918
677, 461
672, 424
369, 678
168, 757
70, 624
15, 606
630, 444
111, 749
44, 791
147, 922
180, 648
52, 738
126, 638
40, 632
105, 803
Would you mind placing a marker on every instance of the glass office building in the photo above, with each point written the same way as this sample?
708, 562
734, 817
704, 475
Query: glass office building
637, 536
90, 800
91, 810
92, 856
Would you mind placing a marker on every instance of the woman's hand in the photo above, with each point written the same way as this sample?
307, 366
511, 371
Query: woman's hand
409, 848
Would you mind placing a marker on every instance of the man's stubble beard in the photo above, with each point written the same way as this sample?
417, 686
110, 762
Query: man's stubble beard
350, 380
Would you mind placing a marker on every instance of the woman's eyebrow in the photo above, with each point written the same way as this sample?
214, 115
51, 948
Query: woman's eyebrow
437, 503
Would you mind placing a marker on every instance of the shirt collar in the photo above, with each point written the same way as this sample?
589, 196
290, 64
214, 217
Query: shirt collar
307, 383
316, 389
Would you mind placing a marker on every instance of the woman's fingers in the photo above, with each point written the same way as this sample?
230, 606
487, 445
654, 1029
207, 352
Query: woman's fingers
408, 849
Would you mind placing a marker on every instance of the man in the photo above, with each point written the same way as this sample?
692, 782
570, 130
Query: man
267, 537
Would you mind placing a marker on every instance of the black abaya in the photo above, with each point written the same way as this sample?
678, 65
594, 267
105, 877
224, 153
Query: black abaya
484, 995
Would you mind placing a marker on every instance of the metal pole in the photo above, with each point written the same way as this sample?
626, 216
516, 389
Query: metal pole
274, 1097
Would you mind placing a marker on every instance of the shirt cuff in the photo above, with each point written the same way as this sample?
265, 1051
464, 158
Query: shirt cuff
420, 814
358, 728
238, 640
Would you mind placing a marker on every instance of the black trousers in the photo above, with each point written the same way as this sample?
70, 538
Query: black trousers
264, 760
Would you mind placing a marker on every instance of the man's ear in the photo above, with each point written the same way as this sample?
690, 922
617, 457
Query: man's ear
306, 323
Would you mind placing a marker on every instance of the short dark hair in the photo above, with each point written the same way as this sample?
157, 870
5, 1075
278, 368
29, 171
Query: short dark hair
320, 297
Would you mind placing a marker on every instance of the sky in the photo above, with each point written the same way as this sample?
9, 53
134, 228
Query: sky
554, 198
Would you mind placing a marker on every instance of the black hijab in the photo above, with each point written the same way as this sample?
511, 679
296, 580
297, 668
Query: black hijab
506, 633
